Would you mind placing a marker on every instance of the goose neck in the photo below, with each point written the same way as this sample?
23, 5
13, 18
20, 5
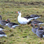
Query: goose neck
20, 14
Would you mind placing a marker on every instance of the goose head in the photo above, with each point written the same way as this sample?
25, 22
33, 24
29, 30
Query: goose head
19, 13
8, 22
33, 23
40, 28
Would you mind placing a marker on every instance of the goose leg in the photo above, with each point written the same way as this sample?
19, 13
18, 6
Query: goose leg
42, 38
22, 25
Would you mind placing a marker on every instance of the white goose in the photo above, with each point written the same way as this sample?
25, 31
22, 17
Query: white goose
23, 20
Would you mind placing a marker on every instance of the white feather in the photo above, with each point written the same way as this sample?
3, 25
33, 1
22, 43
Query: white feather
14, 26
1, 29
43, 36
1, 35
36, 17
7, 24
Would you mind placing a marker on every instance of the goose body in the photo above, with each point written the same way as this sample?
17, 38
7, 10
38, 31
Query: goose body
23, 20
11, 24
35, 16
32, 16
40, 32
3, 22
2, 34
34, 29
27, 17
36, 22
1, 28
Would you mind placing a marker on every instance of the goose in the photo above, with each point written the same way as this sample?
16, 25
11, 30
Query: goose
2, 34
3, 22
11, 24
36, 22
23, 20
34, 29
40, 32
27, 17
35, 16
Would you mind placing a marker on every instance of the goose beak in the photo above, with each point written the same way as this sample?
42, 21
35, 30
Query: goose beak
16, 12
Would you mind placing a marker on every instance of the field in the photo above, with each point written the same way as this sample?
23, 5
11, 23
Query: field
22, 34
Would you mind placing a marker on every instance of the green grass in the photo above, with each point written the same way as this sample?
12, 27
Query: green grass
22, 34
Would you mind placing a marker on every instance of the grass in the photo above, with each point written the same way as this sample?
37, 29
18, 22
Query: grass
22, 34
25, 0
